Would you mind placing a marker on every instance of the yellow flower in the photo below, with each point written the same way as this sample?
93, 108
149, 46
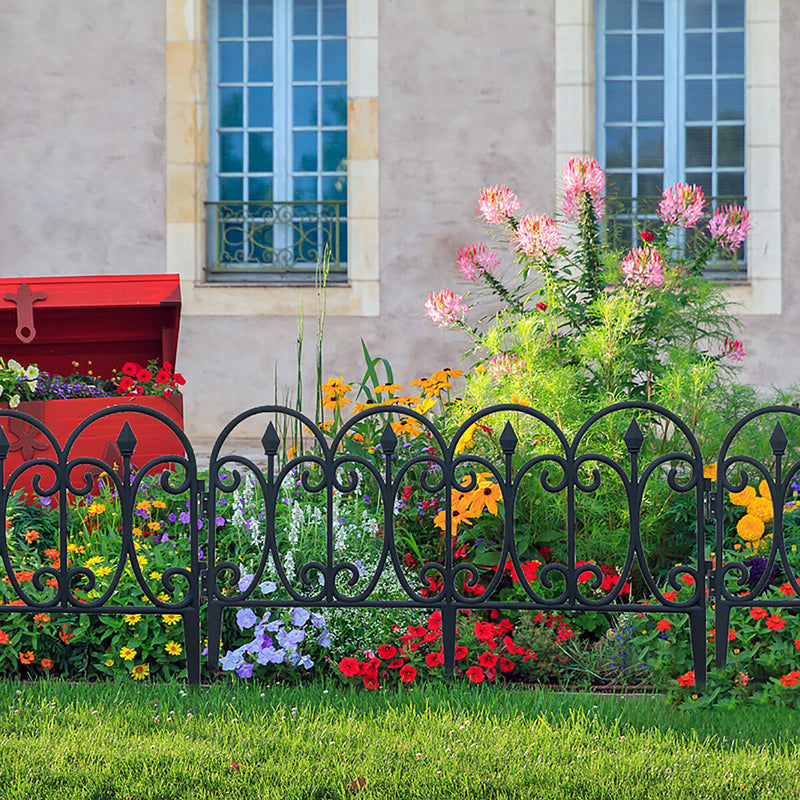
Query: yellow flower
763, 490
173, 648
155, 576
326, 426
163, 597
137, 532
291, 453
424, 406
95, 508
357, 438
761, 507
127, 654
132, 619
171, 619
93, 560
520, 401
459, 512
466, 439
480, 369
447, 372
140, 672
101, 572
407, 427
159, 504
143, 505
142, 561
335, 402
750, 528
335, 388
109, 662
743, 498
154, 526
487, 496
388, 388
710, 471
75, 548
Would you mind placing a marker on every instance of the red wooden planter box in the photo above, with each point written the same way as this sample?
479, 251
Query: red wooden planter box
100, 322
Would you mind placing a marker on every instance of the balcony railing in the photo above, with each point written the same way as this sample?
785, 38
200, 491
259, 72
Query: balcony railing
626, 217
275, 241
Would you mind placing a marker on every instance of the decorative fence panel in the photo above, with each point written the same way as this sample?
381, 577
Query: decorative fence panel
627, 461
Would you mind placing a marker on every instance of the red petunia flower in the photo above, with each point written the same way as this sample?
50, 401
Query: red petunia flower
505, 664
461, 652
434, 659
370, 682
396, 664
144, 375
130, 368
349, 667
487, 660
435, 621
475, 674
125, 385
387, 652
408, 673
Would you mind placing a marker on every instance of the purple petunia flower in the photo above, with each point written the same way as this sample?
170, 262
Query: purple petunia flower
245, 618
245, 670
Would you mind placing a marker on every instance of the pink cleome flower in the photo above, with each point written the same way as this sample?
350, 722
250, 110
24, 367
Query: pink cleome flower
734, 349
583, 176
498, 204
729, 226
474, 260
682, 205
504, 364
445, 308
643, 267
537, 236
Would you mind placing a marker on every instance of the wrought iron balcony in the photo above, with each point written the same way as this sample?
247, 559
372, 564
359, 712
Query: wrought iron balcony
275, 241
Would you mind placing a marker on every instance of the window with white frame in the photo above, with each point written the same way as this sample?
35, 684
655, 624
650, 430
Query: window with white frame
278, 156
670, 104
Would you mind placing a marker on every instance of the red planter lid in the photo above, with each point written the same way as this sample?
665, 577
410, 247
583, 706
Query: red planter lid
102, 319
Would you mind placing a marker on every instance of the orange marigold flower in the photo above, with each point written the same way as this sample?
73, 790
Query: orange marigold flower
743, 498
687, 679
47, 663
30, 536
27, 657
52, 553
710, 471
4, 637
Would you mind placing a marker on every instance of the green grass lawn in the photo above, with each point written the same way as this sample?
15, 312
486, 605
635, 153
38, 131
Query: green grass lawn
155, 741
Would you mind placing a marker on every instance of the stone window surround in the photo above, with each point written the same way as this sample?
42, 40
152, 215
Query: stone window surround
574, 99
187, 174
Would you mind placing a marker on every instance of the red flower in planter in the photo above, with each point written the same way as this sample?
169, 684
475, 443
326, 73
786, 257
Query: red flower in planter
130, 368
387, 652
475, 674
408, 673
348, 667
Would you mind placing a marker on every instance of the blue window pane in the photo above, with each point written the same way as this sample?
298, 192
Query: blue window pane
305, 61
260, 66
334, 60
618, 101
259, 101
230, 107
698, 13
305, 188
334, 105
730, 99
260, 189
701, 179
231, 152
730, 146
230, 62
698, 53
260, 152
698, 147
730, 53
305, 106
618, 14
305, 17
730, 13
730, 186
650, 101
618, 147
305, 151
698, 100
618, 54
651, 14
334, 188
334, 151
334, 17
260, 18
650, 54
650, 147
230, 17
230, 188
619, 184
649, 184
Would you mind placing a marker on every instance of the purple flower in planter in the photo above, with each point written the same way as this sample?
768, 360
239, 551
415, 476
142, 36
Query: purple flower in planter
231, 660
245, 618
299, 616
245, 671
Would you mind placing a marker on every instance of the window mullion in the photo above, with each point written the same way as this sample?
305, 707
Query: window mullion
674, 92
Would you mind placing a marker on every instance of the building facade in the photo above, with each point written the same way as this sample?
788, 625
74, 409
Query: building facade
227, 141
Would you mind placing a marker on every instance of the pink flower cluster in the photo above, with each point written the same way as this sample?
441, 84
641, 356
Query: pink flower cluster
643, 267
537, 236
729, 226
504, 364
497, 204
445, 308
475, 260
734, 349
583, 176
682, 205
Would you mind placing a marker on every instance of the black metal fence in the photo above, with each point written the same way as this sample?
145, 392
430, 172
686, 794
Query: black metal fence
631, 445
